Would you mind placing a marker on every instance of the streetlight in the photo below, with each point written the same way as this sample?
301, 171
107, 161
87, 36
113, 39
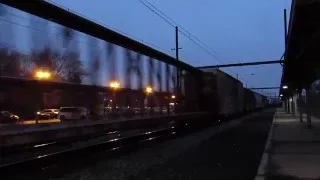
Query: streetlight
281, 95
285, 87
149, 90
173, 97
115, 85
39, 74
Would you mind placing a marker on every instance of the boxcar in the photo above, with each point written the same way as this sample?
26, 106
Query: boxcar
249, 100
258, 98
190, 89
227, 92
209, 90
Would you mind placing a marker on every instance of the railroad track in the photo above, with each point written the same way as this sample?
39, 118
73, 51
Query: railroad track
115, 145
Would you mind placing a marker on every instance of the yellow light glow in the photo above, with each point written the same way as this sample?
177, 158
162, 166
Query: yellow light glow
173, 97
46, 75
149, 89
115, 84
43, 74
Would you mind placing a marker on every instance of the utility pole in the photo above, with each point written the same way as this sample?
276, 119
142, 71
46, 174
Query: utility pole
177, 58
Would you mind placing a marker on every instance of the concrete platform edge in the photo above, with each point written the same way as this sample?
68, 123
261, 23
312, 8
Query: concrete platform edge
261, 172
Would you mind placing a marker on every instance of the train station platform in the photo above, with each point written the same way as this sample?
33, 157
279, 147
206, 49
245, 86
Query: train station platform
292, 150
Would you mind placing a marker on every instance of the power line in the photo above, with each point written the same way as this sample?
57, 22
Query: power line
170, 23
187, 34
184, 32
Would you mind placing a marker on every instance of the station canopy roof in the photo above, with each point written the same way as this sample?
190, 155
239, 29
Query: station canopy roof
301, 64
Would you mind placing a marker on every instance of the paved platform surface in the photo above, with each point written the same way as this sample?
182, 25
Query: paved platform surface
292, 150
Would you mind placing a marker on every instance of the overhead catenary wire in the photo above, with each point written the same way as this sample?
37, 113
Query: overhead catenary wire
187, 34
184, 32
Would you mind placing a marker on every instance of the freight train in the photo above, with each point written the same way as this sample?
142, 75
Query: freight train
211, 91
225, 96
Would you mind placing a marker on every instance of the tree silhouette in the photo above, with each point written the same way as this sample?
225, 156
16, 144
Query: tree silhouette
64, 67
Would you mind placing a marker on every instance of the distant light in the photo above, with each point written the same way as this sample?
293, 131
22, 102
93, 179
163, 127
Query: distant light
110, 100
115, 84
285, 87
290, 99
281, 95
149, 89
42, 74
173, 97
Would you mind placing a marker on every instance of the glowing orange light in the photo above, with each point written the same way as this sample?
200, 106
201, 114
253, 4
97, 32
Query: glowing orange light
149, 90
115, 84
43, 74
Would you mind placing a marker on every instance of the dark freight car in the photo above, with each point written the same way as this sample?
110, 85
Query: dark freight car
227, 92
209, 90
249, 100
190, 88
259, 101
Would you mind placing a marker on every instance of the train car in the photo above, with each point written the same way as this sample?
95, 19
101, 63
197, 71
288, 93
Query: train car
259, 100
249, 100
209, 90
190, 90
226, 92
265, 101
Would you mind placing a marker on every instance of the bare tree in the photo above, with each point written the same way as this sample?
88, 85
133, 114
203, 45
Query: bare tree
63, 67
73, 67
